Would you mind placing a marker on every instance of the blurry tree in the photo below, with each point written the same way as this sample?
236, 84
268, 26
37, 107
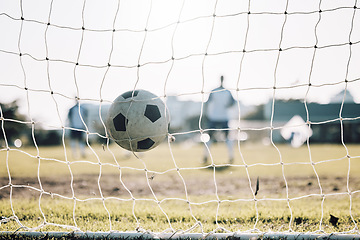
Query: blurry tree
10, 116
45, 137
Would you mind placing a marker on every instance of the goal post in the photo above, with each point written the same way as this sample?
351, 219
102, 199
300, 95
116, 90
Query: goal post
264, 133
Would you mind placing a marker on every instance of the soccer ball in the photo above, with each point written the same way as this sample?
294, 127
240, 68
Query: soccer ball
137, 120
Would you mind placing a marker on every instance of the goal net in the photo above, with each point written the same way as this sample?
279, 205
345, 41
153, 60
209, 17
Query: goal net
282, 159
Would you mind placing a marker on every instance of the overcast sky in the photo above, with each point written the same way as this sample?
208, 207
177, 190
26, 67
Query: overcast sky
185, 31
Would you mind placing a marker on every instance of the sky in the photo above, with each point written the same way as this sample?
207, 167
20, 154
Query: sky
182, 48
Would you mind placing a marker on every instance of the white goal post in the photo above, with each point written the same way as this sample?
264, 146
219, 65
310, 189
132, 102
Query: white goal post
291, 137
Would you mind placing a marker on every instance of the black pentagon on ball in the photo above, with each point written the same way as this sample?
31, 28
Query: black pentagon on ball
130, 94
152, 112
145, 144
120, 122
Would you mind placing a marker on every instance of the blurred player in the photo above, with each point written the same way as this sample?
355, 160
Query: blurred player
216, 111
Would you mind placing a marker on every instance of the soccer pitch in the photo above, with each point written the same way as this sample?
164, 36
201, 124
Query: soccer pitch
155, 196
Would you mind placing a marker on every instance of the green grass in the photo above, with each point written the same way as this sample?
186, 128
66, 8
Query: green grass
233, 214
273, 216
160, 159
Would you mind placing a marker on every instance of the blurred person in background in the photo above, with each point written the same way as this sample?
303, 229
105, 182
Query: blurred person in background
216, 111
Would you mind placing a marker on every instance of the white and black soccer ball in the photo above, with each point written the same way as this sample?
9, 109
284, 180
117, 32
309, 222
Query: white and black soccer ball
137, 120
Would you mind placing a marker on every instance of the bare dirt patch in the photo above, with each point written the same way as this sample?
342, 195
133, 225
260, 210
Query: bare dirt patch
172, 185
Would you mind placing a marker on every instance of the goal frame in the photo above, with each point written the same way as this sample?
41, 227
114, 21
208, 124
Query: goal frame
243, 52
179, 236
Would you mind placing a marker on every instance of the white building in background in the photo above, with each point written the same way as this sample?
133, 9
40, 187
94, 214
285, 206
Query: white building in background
181, 111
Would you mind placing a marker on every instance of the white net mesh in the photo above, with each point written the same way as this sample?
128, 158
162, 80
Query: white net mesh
55, 52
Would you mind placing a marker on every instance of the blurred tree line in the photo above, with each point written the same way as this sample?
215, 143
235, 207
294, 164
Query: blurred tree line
11, 124
14, 125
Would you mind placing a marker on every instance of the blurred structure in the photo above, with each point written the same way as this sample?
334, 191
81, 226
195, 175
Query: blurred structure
326, 125
77, 118
296, 131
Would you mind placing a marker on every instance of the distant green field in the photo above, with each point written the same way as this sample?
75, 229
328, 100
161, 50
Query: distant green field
164, 179
185, 156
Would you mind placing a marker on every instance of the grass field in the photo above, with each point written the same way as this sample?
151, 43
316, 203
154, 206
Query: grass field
171, 188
